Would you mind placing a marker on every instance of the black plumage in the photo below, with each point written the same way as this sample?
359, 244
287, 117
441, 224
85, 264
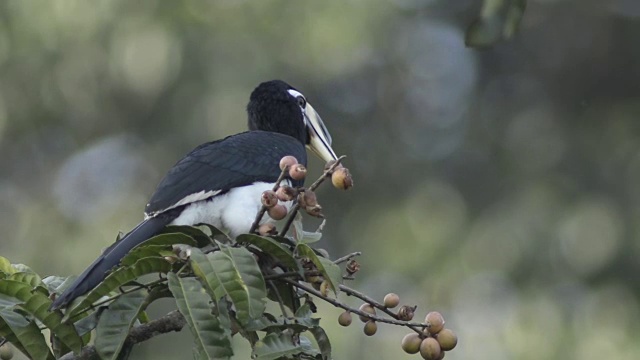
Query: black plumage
235, 161
281, 123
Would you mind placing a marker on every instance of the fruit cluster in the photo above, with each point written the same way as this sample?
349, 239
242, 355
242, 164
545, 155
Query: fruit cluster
273, 200
434, 340
431, 342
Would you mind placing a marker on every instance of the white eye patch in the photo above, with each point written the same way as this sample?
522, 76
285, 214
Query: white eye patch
294, 93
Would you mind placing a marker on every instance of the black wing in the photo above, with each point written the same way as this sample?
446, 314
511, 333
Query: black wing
219, 166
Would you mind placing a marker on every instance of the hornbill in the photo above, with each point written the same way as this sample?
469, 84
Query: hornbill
220, 182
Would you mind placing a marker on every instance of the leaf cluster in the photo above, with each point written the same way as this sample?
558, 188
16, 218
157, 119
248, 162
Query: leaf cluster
220, 286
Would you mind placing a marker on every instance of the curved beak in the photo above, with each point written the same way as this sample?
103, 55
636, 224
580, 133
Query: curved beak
319, 137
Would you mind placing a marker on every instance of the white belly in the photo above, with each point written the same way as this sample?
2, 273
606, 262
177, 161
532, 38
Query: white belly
234, 211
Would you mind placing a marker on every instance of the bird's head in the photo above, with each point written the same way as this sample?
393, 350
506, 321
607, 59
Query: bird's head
277, 106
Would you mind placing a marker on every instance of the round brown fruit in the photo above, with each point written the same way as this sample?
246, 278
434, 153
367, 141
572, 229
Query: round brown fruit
406, 312
288, 161
286, 193
269, 198
368, 309
277, 212
430, 349
411, 343
329, 164
307, 199
341, 179
298, 172
267, 229
324, 288
370, 328
345, 319
391, 300
6, 352
447, 339
435, 321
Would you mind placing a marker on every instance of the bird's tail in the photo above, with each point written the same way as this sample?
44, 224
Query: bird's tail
97, 271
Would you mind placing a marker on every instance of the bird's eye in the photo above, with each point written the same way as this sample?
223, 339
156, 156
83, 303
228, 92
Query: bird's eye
301, 101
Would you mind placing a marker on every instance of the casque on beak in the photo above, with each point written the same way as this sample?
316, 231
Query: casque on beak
319, 137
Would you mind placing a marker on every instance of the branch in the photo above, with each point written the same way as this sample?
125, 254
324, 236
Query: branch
417, 327
173, 321
313, 186
263, 208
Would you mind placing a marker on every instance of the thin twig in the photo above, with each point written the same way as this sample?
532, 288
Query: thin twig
365, 298
173, 321
122, 292
413, 326
280, 302
263, 208
347, 257
296, 207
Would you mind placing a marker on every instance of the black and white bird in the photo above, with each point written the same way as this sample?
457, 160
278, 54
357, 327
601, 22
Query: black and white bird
220, 182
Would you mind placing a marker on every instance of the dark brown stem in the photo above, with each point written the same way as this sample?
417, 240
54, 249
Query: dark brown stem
173, 321
413, 326
347, 257
263, 208
296, 207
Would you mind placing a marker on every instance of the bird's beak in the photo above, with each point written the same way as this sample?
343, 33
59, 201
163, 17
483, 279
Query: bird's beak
319, 137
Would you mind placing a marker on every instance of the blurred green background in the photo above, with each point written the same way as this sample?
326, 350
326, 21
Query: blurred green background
499, 187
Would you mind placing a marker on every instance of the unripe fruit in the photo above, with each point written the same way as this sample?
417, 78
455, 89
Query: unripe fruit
352, 267
391, 300
324, 288
430, 349
307, 199
286, 193
287, 161
345, 319
341, 179
267, 229
435, 321
315, 211
269, 198
406, 312
6, 352
277, 212
447, 339
370, 328
368, 309
411, 343
298, 172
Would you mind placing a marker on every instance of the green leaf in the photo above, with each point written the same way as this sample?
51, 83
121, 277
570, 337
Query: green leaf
194, 233
169, 239
304, 236
7, 333
115, 322
57, 284
304, 316
145, 251
5, 266
323, 341
216, 233
211, 339
27, 334
274, 346
119, 277
233, 272
30, 278
22, 268
513, 18
331, 272
484, 32
87, 323
273, 248
287, 294
499, 19
37, 305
